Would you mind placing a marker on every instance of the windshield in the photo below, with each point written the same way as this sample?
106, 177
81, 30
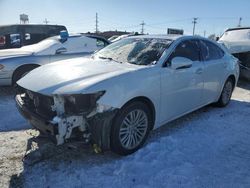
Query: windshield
140, 51
236, 35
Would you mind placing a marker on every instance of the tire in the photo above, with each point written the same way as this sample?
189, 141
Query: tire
21, 72
226, 93
125, 137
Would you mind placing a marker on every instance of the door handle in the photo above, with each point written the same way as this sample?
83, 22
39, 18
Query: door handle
199, 71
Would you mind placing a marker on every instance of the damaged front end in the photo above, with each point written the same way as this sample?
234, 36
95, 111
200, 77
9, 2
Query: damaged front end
68, 116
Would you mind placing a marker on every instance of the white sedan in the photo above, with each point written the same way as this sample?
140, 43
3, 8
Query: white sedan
117, 96
16, 62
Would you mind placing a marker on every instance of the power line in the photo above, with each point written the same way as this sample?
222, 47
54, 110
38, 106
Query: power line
169, 21
194, 22
46, 21
96, 23
240, 19
142, 27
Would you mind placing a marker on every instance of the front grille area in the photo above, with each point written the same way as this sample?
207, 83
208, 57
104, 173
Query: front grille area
39, 104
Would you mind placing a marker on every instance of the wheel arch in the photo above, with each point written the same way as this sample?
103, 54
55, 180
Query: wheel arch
31, 65
232, 77
146, 101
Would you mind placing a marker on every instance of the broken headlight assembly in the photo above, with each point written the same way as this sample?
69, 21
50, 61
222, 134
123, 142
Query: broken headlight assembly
81, 103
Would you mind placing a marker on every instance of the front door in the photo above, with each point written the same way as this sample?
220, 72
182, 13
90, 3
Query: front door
181, 89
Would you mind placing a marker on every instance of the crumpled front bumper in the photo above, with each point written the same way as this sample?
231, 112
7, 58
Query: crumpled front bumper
60, 129
46, 127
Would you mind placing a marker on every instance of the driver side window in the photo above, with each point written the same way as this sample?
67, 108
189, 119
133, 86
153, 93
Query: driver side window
188, 49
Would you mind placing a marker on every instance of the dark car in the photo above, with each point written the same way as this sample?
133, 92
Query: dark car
16, 36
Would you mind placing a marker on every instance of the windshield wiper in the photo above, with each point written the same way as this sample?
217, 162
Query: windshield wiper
109, 58
102, 57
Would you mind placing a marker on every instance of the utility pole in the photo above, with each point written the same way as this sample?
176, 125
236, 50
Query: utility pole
46, 21
205, 33
142, 27
96, 23
239, 25
194, 22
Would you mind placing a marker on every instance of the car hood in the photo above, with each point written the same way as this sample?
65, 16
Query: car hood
10, 53
73, 75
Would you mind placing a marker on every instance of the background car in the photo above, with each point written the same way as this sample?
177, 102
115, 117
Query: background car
237, 40
14, 63
118, 95
17, 35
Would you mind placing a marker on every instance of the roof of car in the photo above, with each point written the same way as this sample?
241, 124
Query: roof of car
237, 28
168, 37
57, 37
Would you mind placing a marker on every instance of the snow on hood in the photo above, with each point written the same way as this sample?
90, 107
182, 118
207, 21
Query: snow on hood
72, 76
10, 53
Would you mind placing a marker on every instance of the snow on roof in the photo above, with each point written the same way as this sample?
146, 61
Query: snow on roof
40, 46
237, 28
169, 37
240, 34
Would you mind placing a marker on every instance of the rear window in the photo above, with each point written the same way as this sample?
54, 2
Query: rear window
236, 35
211, 51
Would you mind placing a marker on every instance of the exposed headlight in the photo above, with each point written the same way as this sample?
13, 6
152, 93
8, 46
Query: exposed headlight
1, 66
81, 103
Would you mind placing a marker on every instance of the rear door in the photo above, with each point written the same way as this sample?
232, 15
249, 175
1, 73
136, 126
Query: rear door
214, 70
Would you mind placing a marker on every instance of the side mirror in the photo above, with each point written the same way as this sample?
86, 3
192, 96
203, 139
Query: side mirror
181, 63
61, 50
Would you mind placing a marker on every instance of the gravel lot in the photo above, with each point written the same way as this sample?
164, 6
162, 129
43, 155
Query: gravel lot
207, 148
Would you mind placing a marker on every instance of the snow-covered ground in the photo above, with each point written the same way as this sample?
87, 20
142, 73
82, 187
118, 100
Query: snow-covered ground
10, 119
207, 148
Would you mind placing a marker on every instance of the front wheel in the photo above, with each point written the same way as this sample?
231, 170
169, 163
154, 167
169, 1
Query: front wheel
131, 128
226, 93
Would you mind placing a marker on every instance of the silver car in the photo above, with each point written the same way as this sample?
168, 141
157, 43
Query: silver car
15, 63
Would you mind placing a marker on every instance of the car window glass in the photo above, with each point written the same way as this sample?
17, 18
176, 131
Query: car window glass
188, 49
100, 43
211, 51
80, 44
15, 40
139, 51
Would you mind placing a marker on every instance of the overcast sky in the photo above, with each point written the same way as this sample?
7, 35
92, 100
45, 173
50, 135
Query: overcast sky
214, 16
